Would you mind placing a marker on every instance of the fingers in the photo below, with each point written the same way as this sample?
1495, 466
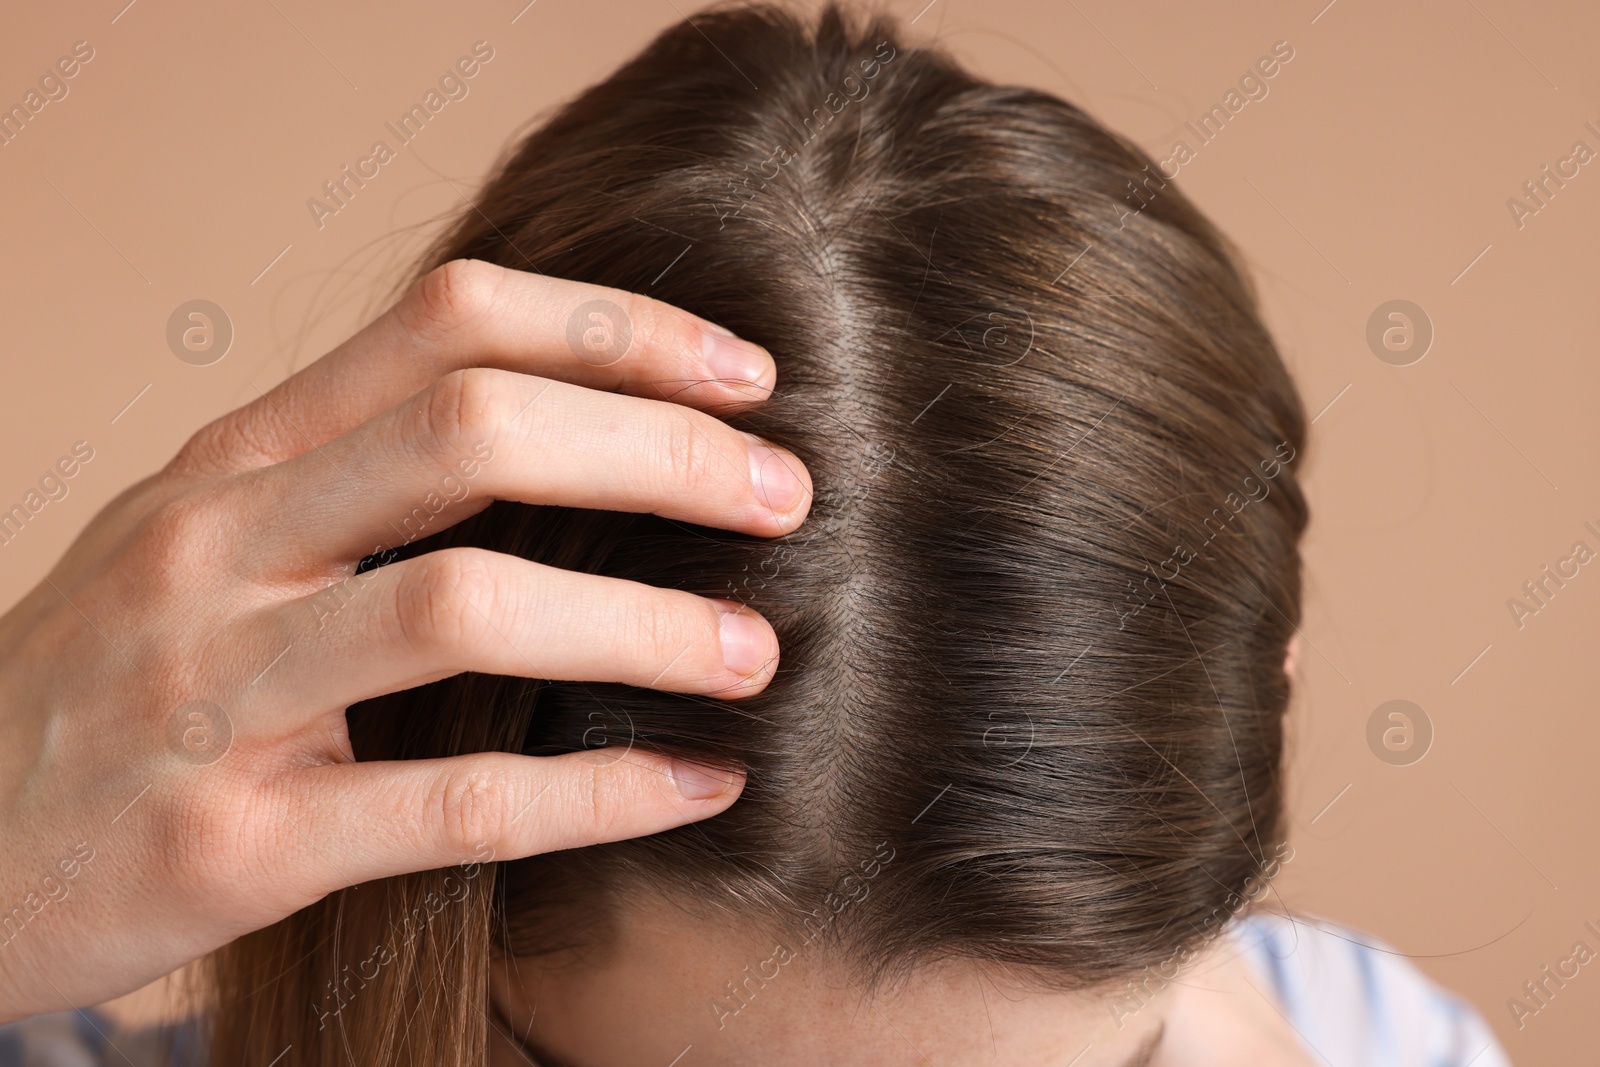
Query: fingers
468, 609
373, 820
469, 313
478, 434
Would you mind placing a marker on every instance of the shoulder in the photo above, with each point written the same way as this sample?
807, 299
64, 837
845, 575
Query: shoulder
1355, 999
90, 1037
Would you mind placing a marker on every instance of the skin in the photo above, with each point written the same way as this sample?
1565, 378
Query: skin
228, 577
653, 989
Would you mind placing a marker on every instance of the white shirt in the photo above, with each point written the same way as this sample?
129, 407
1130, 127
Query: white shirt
1356, 1002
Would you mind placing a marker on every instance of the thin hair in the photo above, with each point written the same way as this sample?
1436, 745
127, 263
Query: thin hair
1033, 630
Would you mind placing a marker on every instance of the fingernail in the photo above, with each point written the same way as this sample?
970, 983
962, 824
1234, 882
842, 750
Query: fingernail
696, 782
773, 474
735, 361
746, 641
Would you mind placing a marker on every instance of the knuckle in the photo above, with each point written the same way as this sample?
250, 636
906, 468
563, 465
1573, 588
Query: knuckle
686, 455
240, 439
178, 536
604, 812
209, 447
673, 629
659, 329
446, 601
205, 836
471, 808
464, 407
452, 299
592, 807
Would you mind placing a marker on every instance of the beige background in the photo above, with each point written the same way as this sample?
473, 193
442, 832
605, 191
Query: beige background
1378, 167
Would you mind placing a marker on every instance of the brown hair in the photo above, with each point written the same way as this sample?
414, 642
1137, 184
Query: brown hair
1030, 704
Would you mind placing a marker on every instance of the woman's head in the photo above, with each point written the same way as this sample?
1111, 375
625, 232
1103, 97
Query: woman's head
1028, 717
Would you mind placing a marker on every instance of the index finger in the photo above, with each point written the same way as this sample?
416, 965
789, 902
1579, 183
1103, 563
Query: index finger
471, 313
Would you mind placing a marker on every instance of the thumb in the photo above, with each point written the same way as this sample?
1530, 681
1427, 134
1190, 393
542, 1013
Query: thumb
391, 817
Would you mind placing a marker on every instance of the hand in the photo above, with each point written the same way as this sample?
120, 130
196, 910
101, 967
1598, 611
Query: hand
174, 765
